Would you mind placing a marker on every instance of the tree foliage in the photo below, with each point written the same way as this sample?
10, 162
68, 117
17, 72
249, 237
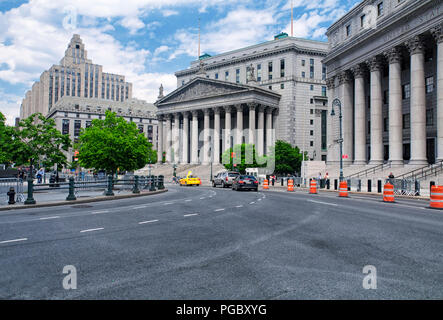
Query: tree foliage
6, 139
241, 157
36, 139
287, 158
114, 143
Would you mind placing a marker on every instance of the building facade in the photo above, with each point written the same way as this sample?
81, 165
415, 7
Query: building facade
71, 114
270, 86
385, 65
75, 76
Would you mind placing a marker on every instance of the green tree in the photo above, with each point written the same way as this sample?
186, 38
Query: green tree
114, 143
287, 158
5, 141
241, 157
37, 140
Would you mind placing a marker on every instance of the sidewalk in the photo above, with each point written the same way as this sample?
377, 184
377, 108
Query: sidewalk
57, 198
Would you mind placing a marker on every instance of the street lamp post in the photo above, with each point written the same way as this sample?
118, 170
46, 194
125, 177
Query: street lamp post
210, 158
337, 103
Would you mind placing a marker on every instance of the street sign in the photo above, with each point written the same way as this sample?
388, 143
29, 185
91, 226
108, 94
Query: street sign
345, 156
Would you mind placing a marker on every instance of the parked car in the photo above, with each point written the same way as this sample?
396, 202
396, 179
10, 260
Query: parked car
190, 180
243, 182
225, 179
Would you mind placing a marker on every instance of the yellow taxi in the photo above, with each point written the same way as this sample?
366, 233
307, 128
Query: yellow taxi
190, 180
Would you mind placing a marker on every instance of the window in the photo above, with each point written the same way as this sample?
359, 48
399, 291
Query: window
362, 21
312, 102
323, 91
226, 75
88, 124
65, 126
429, 84
183, 82
369, 127
303, 74
77, 127
380, 9
282, 86
140, 128
348, 30
312, 110
216, 76
311, 143
406, 91
385, 124
303, 63
312, 87
323, 73
430, 117
259, 72
311, 132
282, 68
312, 69
311, 122
406, 121
237, 75
270, 70
270, 87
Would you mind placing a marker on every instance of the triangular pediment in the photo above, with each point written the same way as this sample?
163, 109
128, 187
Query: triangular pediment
200, 88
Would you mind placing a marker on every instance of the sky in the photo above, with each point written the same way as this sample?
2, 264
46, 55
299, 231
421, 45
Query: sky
145, 40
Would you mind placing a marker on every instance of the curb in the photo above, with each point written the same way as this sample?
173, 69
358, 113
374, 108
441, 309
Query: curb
98, 199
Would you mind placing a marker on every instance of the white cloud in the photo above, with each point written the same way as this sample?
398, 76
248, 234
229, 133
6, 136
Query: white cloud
168, 13
133, 24
10, 106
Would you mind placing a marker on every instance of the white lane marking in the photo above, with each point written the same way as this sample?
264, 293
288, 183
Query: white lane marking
320, 202
189, 200
190, 215
252, 202
15, 240
259, 200
240, 206
202, 198
49, 218
90, 230
139, 207
150, 221
98, 212
219, 210
168, 203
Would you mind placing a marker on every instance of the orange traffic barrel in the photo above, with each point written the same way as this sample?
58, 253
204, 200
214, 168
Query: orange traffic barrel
388, 193
265, 184
290, 185
313, 187
436, 197
343, 190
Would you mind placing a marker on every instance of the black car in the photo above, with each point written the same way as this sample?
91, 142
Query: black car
244, 182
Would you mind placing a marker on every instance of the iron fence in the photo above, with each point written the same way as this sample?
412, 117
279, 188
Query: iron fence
6, 184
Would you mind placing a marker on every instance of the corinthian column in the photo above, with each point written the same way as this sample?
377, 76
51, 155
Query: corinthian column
252, 107
360, 115
375, 65
176, 138
216, 136
194, 137
418, 101
332, 125
345, 82
395, 108
185, 154
160, 140
260, 131
206, 133
228, 111
438, 35
168, 138
269, 132
239, 133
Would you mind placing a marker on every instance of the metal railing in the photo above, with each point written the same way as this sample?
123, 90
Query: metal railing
424, 172
373, 170
6, 184
405, 187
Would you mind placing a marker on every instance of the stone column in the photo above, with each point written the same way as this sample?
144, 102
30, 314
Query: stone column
168, 138
269, 132
216, 136
360, 116
418, 102
176, 138
185, 154
260, 131
206, 134
252, 107
160, 140
438, 35
395, 108
332, 125
228, 111
377, 150
194, 137
346, 94
274, 125
239, 131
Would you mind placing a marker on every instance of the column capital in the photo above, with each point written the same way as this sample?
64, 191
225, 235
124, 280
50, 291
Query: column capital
252, 106
160, 117
239, 107
194, 113
207, 111
437, 33
228, 109
394, 55
217, 110
185, 114
415, 45
344, 77
269, 110
375, 63
261, 108
359, 71
275, 111
330, 83
168, 116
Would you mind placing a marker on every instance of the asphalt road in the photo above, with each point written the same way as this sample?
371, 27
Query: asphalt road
204, 243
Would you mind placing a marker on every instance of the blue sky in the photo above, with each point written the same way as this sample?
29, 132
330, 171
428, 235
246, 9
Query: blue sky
146, 40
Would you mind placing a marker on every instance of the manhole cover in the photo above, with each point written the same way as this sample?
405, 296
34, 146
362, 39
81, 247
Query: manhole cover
82, 206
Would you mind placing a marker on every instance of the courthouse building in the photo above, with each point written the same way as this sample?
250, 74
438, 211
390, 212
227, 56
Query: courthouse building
258, 94
385, 64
